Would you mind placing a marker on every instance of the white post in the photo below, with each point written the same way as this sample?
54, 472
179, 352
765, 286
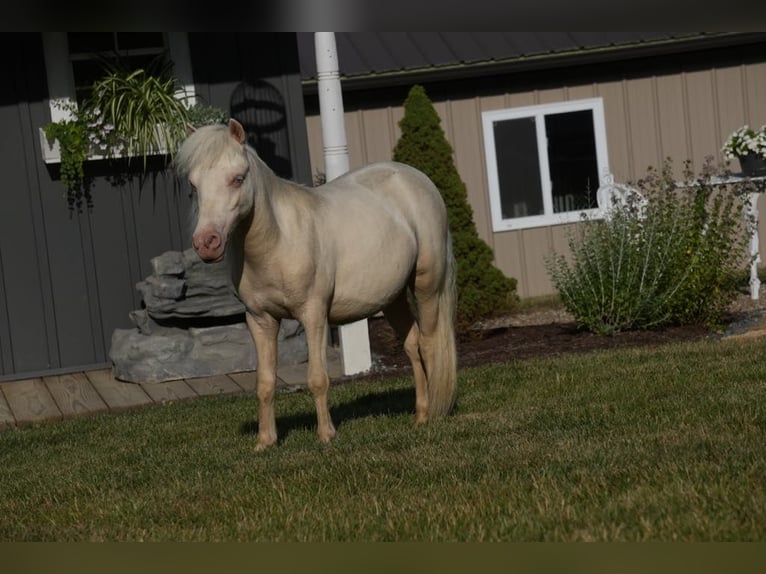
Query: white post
354, 338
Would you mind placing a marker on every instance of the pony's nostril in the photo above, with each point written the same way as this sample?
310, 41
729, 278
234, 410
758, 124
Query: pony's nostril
207, 243
213, 241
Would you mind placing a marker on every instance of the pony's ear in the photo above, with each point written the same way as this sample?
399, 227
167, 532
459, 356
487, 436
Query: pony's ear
237, 131
190, 129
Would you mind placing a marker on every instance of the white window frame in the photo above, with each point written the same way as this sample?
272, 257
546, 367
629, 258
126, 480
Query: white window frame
548, 218
61, 79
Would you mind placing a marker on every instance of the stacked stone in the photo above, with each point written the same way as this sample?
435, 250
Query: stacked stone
191, 325
182, 289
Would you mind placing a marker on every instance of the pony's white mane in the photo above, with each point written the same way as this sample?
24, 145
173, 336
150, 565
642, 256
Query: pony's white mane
206, 146
203, 148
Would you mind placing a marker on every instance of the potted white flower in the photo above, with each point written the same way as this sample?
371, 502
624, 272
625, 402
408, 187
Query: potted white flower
749, 147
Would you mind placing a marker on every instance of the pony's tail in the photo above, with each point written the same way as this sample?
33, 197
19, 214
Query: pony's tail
442, 380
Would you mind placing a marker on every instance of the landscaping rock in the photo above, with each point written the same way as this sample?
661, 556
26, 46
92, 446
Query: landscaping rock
196, 352
169, 263
192, 324
185, 287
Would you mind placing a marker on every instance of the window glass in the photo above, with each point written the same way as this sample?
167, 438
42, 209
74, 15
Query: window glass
518, 167
140, 40
572, 160
91, 52
87, 42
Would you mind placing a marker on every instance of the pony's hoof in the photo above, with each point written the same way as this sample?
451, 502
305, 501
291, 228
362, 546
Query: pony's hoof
327, 436
264, 443
421, 419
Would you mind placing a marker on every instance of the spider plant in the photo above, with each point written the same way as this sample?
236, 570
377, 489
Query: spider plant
146, 107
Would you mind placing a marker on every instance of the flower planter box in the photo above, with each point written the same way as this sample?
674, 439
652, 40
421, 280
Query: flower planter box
51, 152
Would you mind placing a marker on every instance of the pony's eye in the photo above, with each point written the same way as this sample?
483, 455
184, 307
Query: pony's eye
238, 180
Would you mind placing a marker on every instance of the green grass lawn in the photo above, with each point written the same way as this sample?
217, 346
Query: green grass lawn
652, 444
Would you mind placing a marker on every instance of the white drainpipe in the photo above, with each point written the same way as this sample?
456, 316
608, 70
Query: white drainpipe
354, 338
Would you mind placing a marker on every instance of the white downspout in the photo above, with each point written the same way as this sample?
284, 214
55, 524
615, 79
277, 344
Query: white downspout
354, 338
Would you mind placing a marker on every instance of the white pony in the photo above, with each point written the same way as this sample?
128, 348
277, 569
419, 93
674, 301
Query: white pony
374, 239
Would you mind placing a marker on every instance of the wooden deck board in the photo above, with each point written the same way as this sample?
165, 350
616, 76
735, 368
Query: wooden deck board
245, 380
292, 375
214, 385
30, 401
74, 394
117, 394
63, 396
168, 391
6, 416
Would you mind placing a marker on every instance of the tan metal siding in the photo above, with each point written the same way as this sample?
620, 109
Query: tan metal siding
464, 116
730, 97
537, 245
701, 106
642, 125
615, 115
510, 257
684, 115
755, 93
672, 118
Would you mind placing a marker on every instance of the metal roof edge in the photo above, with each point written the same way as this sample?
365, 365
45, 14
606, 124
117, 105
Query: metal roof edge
635, 50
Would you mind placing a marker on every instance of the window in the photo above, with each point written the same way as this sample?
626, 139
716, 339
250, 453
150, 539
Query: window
544, 162
89, 51
72, 64
72, 59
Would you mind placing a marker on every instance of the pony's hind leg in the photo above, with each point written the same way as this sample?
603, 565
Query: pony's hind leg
399, 315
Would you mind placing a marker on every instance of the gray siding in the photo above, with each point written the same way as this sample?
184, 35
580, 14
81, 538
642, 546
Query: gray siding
67, 280
257, 77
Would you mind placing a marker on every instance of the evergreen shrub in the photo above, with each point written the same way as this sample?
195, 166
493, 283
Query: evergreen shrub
483, 290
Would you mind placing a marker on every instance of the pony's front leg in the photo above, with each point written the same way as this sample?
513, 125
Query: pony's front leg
315, 325
264, 330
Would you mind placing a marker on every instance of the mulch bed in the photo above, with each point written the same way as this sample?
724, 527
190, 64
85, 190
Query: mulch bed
504, 344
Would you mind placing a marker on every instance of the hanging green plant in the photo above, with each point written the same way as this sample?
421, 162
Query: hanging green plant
201, 114
81, 136
149, 112
73, 142
131, 113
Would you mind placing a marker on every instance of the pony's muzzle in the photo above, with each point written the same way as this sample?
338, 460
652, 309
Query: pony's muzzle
209, 245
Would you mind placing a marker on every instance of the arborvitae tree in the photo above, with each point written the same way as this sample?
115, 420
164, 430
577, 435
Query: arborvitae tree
483, 290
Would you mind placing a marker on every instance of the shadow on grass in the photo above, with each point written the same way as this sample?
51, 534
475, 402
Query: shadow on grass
388, 403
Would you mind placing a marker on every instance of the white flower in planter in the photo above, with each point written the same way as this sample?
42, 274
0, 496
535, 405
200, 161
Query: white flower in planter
745, 141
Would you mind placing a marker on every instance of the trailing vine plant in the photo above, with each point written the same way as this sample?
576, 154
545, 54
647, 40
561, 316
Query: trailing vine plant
84, 134
131, 113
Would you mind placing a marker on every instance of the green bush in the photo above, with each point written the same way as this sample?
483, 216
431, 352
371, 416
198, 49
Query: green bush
673, 259
482, 288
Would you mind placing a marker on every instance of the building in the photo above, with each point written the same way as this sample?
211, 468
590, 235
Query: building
67, 279
630, 98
